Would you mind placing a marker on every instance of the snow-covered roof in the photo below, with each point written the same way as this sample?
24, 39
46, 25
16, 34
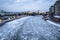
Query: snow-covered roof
57, 16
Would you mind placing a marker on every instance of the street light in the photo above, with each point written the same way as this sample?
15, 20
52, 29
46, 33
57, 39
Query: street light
0, 20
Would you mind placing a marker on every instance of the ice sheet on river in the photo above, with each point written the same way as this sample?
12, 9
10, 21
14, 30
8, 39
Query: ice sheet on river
29, 28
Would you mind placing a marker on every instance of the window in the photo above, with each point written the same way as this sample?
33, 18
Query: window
58, 7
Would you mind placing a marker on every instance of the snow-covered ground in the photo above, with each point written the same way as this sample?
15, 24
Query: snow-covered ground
53, 23
29, 28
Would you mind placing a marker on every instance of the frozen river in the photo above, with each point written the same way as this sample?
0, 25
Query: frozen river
29, 28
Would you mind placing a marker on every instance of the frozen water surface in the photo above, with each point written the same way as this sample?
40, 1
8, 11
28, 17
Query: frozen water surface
29, 28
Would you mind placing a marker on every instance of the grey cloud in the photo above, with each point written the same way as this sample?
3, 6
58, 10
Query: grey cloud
25, 5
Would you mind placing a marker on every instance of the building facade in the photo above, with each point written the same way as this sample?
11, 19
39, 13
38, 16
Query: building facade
51, 12
57, 8
54, 11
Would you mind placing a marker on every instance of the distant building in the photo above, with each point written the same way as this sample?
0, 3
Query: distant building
54, 10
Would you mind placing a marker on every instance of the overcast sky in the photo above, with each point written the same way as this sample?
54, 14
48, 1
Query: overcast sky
26, 5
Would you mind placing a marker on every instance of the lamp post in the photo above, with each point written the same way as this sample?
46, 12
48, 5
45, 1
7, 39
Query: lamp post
0, 20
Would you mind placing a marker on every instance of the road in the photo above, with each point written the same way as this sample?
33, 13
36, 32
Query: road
29, 28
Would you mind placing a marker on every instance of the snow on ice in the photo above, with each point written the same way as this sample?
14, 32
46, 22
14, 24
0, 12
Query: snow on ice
29, 28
